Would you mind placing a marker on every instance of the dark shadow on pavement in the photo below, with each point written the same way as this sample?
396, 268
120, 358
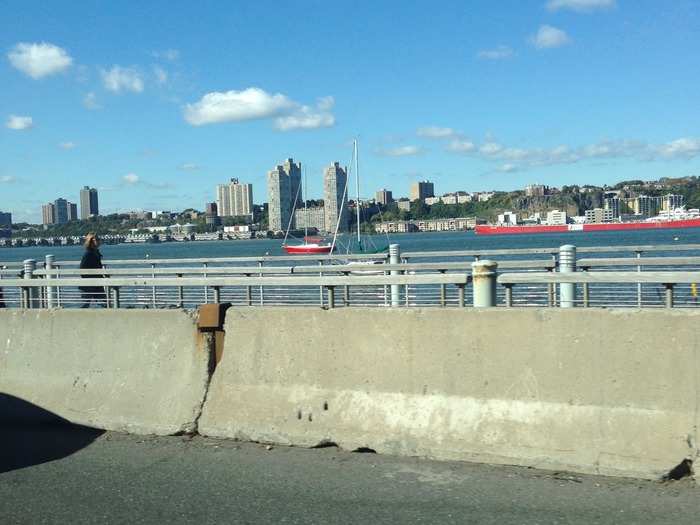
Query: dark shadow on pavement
30, 435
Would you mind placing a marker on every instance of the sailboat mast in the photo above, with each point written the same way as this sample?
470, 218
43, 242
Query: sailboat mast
306, 212
357, 187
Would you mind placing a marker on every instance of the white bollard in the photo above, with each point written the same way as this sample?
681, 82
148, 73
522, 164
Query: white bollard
395, 258
567, 264
31, 296
48, 266
484, 283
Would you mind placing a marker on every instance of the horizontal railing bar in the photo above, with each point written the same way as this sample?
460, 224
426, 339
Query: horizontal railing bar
359, 280
254, 259
601, 277
326, 268
638, 261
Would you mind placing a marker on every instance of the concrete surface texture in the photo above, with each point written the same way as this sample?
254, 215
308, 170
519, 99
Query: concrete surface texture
600, 391
134, 480
129, 370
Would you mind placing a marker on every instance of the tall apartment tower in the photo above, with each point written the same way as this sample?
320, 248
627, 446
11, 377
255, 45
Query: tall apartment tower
48, 214
283, 187
60, 211
234, 199
421, 190
88, 203
335, 198
384, 197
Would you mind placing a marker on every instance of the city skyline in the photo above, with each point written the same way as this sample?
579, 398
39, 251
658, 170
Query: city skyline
484, 97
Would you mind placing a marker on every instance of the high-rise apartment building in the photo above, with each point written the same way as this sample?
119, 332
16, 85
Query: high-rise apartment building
234, 199
72, 211
421, 190
60, 211
384, 197
283, 188
89, 206
335, 198
48, 214
5, 220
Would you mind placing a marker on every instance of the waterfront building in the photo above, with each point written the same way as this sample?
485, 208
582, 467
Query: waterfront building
48, 214
72, 212
5, 219
404, 204
598, 215
432, 200
421, 190
283, 188
671, 202
612, 204
234, 199
335, 199
484, 196
507, 218
312, 217
211, 216
556, 217
384, 197
89, 206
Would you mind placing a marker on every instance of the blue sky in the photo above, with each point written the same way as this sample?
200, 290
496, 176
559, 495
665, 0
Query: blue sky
156, 104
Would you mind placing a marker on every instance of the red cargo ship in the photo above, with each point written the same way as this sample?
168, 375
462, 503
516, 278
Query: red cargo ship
487, 229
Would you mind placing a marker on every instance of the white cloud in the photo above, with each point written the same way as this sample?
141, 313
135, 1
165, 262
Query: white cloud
7, 179
435, 132
189, 166
19, 123
90, 101
256, 104
160, 74
498, 53
171, 55
582, 6
683, 148
39, 60
120, 79
461, 146
548, 37
515, 159
131, 178
306, 117
67, 145
235, 106
400, 151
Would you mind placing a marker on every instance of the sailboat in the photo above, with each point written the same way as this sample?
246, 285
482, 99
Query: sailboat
311, 245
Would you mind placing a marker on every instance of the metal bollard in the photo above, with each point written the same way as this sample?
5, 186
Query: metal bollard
395, 258
48, 266
29, 267
484, 283
567, 264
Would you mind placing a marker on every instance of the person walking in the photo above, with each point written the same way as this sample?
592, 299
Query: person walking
92, 259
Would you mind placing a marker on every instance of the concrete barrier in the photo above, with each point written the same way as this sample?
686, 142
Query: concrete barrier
600, 391
129, 370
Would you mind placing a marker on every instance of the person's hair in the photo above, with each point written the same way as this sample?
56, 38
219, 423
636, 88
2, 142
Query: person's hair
91, 241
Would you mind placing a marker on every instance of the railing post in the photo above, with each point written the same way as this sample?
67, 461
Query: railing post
29, 267
48, 266
484, 283
331, 296
115, 297
509, 294
217, 295
180, 293
460, 296
639, 285
669, 295
395, 258
567, 264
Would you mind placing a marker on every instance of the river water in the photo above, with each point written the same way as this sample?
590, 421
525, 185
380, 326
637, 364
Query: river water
407, 241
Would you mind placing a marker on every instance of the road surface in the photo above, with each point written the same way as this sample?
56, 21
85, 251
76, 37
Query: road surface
93, 477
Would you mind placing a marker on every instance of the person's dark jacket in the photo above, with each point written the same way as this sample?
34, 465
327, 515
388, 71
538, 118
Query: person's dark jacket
92, 260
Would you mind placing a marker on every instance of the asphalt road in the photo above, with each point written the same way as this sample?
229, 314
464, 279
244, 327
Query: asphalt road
93, 477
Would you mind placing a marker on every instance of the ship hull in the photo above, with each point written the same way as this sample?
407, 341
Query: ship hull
485, 229
308, 249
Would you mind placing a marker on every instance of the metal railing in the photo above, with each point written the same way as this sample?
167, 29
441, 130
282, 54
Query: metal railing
271, 280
